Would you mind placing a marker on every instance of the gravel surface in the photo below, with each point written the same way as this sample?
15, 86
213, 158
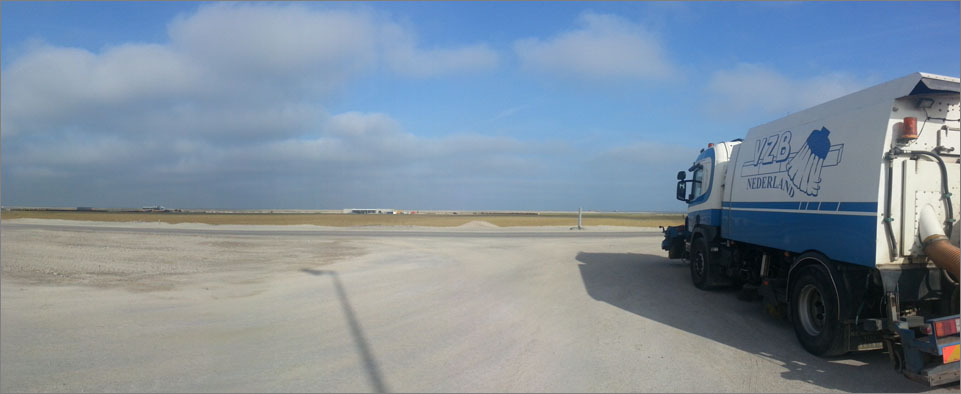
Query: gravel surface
115, 311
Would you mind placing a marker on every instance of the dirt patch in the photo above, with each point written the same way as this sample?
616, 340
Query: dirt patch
478, 224
158, 262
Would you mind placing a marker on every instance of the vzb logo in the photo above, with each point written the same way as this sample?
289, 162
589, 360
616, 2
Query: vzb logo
773, 149
774, 158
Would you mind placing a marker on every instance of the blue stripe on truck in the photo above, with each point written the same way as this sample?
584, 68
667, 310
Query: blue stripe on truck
807, 206
767, 205
847, 238
859, 207
710, 217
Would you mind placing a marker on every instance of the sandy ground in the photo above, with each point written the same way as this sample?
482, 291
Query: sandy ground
114, 311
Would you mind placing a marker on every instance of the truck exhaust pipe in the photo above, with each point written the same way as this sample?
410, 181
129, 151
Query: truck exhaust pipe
936, 245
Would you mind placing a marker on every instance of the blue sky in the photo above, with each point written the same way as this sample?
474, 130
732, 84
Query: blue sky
437, 105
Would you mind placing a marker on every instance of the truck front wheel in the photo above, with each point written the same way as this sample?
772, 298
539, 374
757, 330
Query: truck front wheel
814, 312
703, 268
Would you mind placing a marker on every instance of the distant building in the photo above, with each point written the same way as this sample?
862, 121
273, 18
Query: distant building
155, 208
370, 211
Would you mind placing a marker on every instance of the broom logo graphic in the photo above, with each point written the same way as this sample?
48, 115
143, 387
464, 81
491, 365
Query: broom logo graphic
804, 169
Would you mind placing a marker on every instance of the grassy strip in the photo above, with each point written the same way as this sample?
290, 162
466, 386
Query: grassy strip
348, 220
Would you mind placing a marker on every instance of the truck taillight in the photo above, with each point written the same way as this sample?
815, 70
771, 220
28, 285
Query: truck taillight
944, 328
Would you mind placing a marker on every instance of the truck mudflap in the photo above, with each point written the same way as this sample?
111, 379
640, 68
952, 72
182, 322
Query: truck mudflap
673, 243
930, 353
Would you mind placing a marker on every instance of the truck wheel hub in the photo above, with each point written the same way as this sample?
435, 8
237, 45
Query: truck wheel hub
811, 310
698, 262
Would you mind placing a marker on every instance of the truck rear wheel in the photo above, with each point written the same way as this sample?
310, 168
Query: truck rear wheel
703, 267
814, 312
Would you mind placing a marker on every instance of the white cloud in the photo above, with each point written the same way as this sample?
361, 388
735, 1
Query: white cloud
343, 147
276, 40
376, 139
229, 106
354, 151
50, 86
229, 69
756, 88
403, 56
602, 47
363, 125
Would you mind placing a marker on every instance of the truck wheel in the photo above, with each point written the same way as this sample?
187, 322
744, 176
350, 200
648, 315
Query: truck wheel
703, 268
814, 313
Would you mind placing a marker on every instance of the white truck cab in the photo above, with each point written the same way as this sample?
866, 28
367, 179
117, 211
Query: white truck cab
706, 190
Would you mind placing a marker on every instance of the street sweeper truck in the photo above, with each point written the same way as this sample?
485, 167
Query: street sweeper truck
844, 217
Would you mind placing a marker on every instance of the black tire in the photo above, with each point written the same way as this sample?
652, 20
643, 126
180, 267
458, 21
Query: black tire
814, 312
703, 267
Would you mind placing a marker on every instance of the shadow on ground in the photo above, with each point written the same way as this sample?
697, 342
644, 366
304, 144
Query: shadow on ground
660, 289
374, 377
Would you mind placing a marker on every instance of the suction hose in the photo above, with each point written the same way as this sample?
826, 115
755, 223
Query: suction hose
936, 245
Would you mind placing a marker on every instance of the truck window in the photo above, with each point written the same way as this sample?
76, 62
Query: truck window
698, 176
702, 178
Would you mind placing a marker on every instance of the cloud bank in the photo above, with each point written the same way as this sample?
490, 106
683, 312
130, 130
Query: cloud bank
224, 110
760, 89
602, 47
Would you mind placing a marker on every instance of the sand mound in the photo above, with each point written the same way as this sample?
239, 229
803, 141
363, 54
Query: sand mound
478, 224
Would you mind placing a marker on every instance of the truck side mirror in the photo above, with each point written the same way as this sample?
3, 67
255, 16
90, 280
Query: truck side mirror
682, 190
681, 175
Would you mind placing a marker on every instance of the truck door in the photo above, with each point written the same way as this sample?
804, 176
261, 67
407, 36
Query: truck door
701, 207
